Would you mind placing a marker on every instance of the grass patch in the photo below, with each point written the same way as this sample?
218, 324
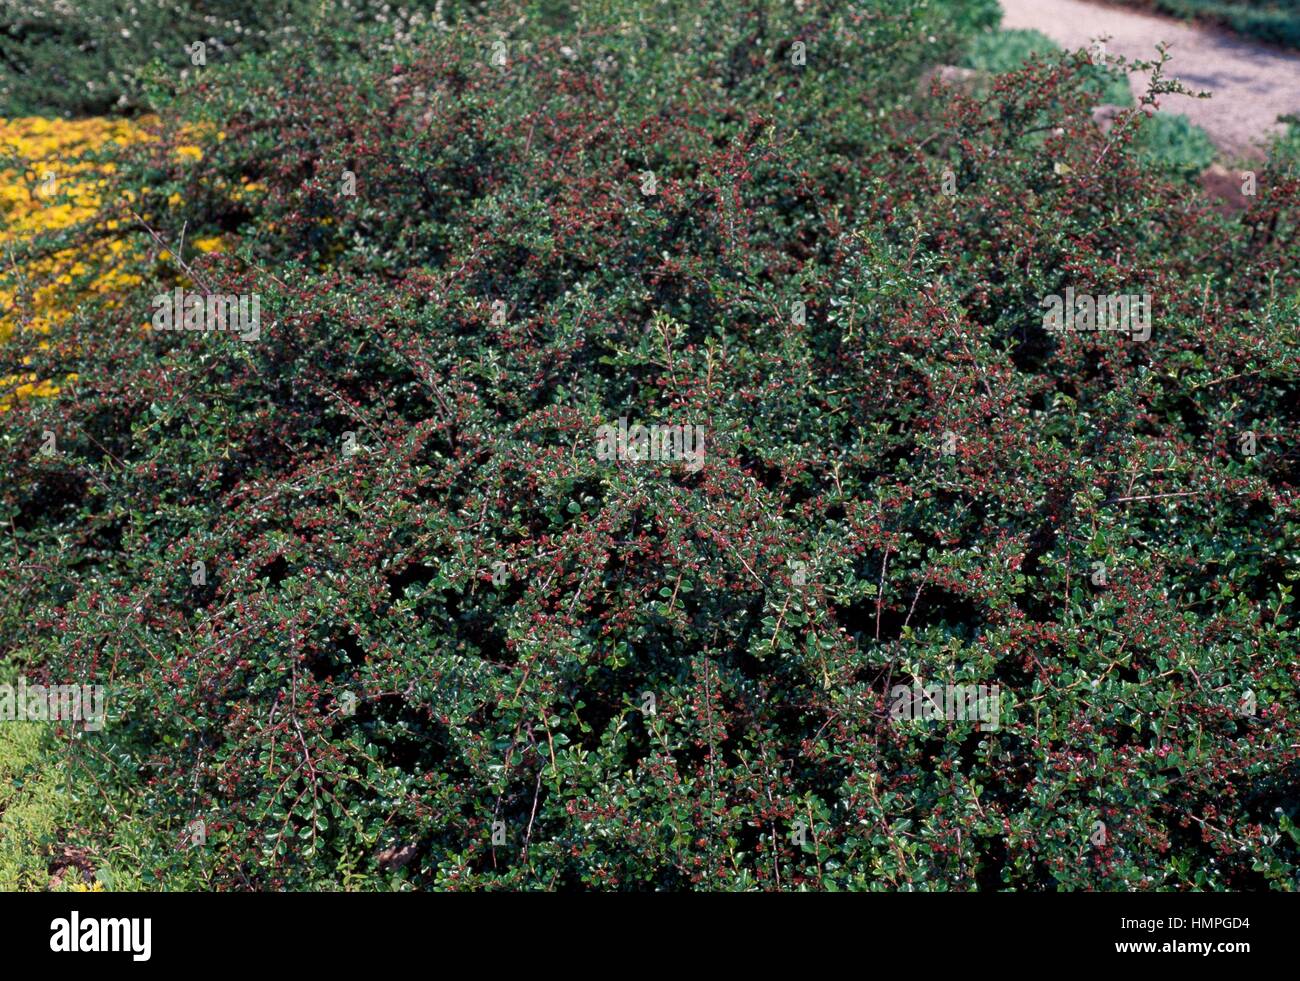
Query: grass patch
32, 805
45, 827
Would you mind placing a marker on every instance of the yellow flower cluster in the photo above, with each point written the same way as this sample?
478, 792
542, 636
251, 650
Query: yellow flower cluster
46, 184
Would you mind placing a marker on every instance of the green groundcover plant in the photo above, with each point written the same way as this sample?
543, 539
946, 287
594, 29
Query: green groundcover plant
380, 598
1003, 51
1274, 21
93, 56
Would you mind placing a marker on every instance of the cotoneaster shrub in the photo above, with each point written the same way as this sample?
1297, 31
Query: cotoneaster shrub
437, 643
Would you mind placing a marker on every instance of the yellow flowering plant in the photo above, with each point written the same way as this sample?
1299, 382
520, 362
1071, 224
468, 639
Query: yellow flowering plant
53, 175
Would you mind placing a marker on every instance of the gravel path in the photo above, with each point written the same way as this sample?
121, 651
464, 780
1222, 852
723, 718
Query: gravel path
1252, 84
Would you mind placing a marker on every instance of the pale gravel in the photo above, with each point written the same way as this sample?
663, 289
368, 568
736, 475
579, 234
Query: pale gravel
1251, 84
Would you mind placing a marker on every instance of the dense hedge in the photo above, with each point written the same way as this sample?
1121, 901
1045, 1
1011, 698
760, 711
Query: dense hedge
640, 675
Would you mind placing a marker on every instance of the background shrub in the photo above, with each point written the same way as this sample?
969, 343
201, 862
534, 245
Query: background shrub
96, 56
